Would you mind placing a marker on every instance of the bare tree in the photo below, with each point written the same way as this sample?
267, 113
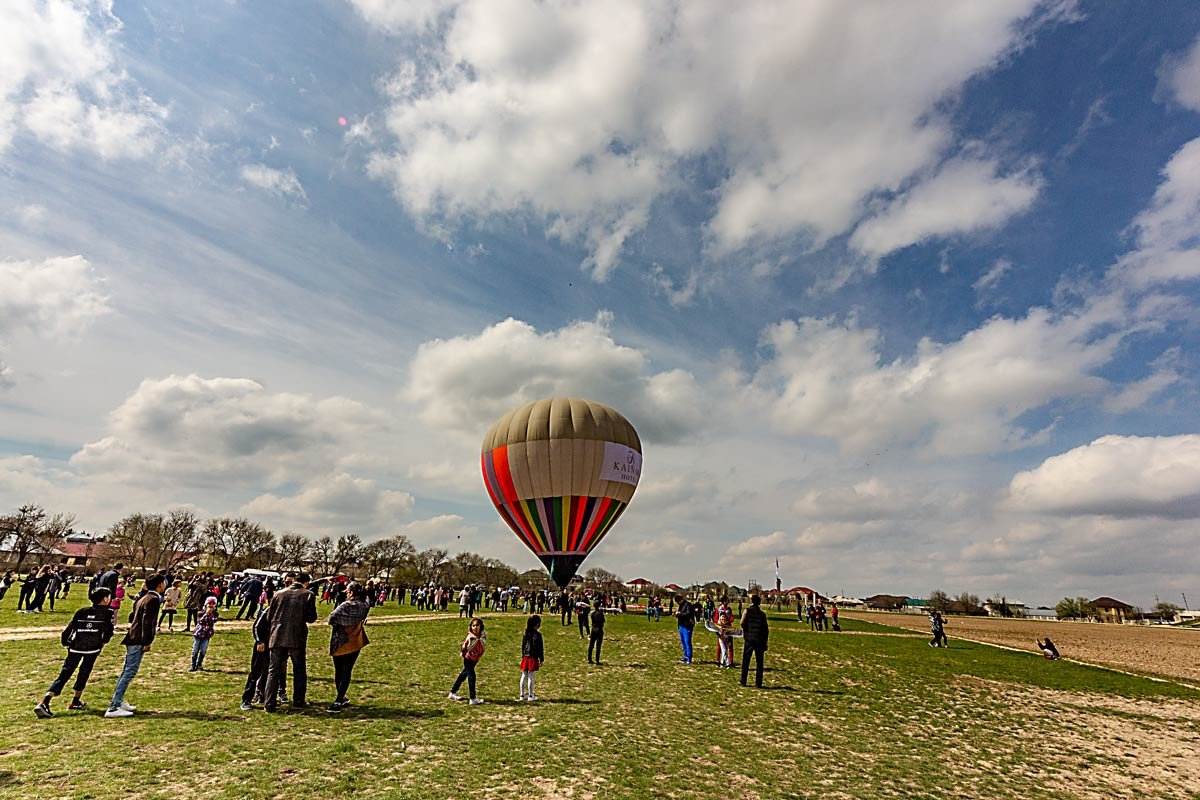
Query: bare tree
154, 541
320, 554
239, 543
602, 579
347, 551
31, 532
293, 549
938, 601
427, 561
388, 555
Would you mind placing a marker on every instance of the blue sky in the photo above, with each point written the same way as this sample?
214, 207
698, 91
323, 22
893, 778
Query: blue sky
906, 300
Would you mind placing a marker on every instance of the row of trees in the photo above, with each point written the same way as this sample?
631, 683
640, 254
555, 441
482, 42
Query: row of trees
179, 539
964, 603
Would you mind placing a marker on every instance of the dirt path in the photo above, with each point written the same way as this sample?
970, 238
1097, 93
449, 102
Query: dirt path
1144, 650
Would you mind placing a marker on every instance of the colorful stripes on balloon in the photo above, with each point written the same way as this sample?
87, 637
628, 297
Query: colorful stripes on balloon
567, 524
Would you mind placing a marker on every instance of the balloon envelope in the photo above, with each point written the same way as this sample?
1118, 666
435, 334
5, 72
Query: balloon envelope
560, 472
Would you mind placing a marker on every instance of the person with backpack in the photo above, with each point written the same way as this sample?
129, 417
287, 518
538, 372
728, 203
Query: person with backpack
471, 651
84, 637
754, 633
143, 624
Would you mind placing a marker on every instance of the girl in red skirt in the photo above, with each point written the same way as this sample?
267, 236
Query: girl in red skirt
531, 657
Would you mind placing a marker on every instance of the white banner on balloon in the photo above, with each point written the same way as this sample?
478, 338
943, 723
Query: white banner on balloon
621, 463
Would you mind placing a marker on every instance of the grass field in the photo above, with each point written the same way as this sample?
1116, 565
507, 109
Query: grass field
869, 713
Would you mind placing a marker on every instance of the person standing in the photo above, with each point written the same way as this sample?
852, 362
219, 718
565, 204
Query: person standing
260, 661
596, 638
292, 610
833, 615
532, 655
202, 634
170, 603
84, 637
252, 589
581, 612
471, 650
143, 624
724, 622
685, 614
754, 633
6, 582
347, 641
197, 590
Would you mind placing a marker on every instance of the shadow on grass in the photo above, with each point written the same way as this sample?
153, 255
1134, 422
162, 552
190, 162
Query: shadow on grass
778, 688
388, 712
7, 777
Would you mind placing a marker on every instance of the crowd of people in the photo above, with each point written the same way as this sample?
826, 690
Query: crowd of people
282, 609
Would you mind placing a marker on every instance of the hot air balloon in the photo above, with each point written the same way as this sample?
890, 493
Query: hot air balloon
560, 472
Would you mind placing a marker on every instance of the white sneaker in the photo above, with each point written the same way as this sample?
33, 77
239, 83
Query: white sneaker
126, 707
453, 696
476, 701
521, 699
114, 713
533, 698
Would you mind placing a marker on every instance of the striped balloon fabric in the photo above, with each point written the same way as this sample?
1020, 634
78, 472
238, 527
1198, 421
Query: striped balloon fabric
560, 472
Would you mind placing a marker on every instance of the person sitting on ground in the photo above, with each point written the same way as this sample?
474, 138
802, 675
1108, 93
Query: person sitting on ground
1048, 649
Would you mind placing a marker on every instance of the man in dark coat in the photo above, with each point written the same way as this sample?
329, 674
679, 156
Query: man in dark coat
754, 632
143, 624
291, 611
252, 590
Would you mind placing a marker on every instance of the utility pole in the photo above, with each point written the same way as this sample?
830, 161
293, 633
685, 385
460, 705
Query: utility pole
1185, 605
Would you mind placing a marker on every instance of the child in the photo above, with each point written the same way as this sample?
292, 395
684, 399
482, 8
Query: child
202, 634
84, 637
472, 650
724, 622
532, 656
115, 605
170, 602
1048, 649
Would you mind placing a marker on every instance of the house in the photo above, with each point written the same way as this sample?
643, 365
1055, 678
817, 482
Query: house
1006, 608
639, 584
915, 605
846, 602
1110, 610
1041, 612
885, 602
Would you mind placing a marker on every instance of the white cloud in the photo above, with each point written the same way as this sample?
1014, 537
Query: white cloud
1138, 393
582, 115
333, 503
1120, 476
60, 81
1179, 77
826, 379
56, 297
965, 196
989, 279
279, 182
199, 432
1167, 231
466, 383
31, 216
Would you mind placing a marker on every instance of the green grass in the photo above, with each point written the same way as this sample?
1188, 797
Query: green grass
852, 715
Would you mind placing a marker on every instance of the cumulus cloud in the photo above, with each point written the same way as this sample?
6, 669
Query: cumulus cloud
1167, 232
1119, 476
56, 297
1179, 77
468, 382
205, 432
338, 502
582, 115
966, 195
965, 396
60, 81
279, 182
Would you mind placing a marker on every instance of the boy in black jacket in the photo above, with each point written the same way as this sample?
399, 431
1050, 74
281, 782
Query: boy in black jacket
84, 637
260, 660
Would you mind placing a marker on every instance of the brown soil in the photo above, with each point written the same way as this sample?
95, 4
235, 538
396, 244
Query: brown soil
1145, 649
